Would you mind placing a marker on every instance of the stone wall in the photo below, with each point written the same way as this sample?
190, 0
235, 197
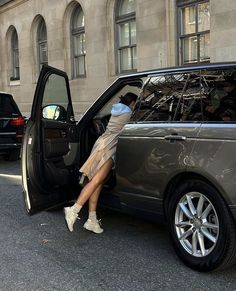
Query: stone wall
156, 42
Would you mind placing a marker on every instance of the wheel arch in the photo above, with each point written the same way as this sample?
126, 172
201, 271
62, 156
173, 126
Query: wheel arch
184, 176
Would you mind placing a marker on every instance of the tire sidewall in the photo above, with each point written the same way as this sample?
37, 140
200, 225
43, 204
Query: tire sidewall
215, 258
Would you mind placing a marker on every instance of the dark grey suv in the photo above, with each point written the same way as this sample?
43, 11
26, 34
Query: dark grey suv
11, 127
175, 158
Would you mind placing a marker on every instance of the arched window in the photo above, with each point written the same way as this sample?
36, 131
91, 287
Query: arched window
126, 35
42, 43
15, 71
78, 43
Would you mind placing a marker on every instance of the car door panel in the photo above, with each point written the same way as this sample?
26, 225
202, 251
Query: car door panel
46, 176
56, 143
154, 147
151, 157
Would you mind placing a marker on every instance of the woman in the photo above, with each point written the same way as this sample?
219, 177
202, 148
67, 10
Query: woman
99, 164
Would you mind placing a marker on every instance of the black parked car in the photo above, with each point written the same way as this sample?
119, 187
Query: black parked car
11, 127
174, 160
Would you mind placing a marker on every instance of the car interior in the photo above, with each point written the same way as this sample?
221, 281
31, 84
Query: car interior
96, 126
66, 145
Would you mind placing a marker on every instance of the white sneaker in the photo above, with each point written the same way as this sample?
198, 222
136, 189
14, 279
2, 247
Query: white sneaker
70, 217
93, 226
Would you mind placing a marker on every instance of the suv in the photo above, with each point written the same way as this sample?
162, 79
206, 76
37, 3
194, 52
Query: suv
174, 159
11, 127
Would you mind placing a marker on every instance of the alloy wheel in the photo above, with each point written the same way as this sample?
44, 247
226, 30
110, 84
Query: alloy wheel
196, 224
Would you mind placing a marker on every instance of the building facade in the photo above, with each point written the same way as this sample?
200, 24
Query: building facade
94, 41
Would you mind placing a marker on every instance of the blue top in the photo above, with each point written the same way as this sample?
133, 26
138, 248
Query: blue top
120, 108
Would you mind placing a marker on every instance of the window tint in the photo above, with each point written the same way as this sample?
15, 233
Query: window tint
7, 106
206, 96
169, 97
219, 95
55, 97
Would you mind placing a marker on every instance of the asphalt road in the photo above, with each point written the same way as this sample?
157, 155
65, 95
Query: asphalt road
39, 253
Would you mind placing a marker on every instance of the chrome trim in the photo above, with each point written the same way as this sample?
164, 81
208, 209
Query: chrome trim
175, 137
9, 144
7, 133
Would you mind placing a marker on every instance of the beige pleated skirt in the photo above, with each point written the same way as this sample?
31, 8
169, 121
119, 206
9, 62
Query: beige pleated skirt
105, 146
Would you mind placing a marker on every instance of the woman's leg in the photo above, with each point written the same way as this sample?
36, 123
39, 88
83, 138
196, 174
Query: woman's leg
92, 223
96, 183
93, 199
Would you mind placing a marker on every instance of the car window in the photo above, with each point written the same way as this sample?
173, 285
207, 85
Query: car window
7, 106
206, 96
168, 97
55, 98
106, 110
218, 95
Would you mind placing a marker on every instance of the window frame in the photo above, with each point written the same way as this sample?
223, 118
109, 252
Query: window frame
119, 20
77, 32
15, 62
42, 42
198, 34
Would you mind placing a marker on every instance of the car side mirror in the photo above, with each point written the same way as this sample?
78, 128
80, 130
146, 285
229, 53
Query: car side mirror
54, 112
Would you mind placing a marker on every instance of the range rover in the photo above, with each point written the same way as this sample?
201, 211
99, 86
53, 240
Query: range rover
174, 162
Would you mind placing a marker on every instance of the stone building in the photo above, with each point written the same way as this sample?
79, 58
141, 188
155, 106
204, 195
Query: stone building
94, 41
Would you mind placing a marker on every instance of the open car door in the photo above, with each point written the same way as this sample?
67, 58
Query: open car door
50, 143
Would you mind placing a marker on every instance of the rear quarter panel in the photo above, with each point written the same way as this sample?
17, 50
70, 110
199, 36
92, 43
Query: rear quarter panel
213, 157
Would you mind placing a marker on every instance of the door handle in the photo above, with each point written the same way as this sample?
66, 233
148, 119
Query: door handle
175, 137
63, 134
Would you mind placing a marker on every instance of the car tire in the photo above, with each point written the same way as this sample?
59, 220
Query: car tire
13, 155
201, 226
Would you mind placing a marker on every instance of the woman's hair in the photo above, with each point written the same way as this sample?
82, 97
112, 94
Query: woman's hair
128, 98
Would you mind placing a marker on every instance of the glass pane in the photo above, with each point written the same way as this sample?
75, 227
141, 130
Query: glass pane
78, 48
218, 92
127, 6
55, 91
81, 70
124, 34
78, 19
163, 98
205, 47
16, 73
125, 59
16, 58
43, 53
42, 32
79, 66
82, 41
6, 105
203, 17
14, 40
189, 46
133, 32
188, 23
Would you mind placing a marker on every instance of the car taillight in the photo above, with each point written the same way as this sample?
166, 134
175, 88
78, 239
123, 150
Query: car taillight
17, 121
